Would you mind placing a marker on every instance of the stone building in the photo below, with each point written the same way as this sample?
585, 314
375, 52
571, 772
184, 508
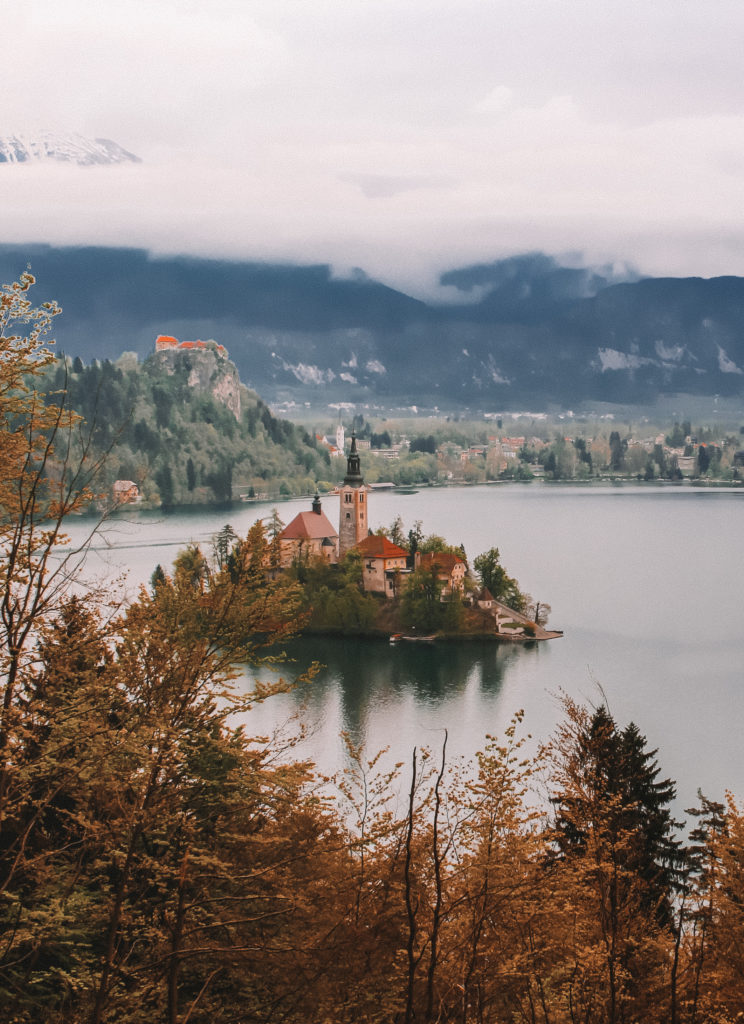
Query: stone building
125, 492
383, 565
449, 568
310, 535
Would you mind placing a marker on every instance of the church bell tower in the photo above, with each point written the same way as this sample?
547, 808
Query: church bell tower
353, 524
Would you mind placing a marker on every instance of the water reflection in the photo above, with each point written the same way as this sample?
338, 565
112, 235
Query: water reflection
375, 691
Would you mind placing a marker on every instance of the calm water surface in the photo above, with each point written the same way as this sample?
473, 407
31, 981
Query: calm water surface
646, 582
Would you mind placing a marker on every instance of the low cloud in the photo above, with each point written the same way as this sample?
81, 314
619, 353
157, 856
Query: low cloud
404, 140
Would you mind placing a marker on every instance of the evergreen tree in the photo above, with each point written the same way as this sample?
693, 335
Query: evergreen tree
618, 448
190, 474
612, 787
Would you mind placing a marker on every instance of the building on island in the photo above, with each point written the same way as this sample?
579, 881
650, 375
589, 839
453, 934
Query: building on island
449, 568
309, 535
383, 565
353, 524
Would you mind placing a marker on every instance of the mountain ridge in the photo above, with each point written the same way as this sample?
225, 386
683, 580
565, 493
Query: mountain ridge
535, 332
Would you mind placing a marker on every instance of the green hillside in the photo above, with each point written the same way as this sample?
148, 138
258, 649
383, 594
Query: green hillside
184, 429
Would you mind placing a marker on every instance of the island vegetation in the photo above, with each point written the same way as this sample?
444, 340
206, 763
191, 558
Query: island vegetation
158, 861
425, 602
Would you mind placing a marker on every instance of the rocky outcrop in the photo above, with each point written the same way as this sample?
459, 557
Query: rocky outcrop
209, 370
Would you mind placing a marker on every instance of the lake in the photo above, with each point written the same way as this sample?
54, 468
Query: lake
647, 583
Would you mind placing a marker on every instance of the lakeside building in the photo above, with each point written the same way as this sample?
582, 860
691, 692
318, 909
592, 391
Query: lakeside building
449, 568
309, 535
383, 565
125, 492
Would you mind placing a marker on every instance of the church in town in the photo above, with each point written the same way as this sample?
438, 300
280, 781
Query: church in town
384, 564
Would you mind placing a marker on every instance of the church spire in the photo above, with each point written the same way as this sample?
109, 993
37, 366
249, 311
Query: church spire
353, 523
353, 476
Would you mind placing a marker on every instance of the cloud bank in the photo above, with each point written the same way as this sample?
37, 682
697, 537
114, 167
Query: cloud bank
404, 138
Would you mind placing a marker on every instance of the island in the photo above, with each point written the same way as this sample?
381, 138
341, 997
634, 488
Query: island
354, 580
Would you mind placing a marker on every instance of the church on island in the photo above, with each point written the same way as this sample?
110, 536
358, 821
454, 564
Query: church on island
384, 564
386, 567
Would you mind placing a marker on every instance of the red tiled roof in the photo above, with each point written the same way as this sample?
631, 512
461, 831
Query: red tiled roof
443, 560
380, 547
308, 526
166, 339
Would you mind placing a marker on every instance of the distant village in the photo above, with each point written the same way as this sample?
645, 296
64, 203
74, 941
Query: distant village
573, 457
402, 457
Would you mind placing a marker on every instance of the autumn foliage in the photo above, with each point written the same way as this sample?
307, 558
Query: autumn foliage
160, 863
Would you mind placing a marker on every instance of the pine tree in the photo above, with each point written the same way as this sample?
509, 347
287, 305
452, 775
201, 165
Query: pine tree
612, 782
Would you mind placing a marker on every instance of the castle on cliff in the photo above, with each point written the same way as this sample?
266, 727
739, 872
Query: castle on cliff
166, 343
209, 368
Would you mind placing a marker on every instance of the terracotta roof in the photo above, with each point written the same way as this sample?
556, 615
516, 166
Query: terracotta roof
443, 560
165, 339
308, 526
380, 547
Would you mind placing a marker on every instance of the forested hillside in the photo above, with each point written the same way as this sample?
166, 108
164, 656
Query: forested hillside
175, 437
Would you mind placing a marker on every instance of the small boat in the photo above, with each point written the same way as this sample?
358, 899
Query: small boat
395, 637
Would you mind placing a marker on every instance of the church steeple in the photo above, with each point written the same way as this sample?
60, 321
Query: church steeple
353, 521
353, 476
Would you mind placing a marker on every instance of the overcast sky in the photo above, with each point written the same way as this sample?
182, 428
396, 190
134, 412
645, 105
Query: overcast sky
404, 137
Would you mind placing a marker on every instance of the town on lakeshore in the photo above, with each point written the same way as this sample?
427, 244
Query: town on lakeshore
189, 432
391, 571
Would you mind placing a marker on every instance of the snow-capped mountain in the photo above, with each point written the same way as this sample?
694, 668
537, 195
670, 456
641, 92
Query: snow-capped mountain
73, 149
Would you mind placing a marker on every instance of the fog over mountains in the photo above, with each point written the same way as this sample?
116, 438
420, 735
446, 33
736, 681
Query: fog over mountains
527, 331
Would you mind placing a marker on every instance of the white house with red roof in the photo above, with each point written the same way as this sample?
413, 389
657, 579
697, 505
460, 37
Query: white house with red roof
449, 568
309, 535
383, 565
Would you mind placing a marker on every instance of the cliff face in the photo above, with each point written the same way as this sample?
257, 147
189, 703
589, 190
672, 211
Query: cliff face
209, 372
